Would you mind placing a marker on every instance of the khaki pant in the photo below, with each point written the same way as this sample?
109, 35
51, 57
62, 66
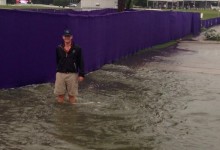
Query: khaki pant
66, 83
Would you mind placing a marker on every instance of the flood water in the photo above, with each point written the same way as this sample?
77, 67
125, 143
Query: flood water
170, 101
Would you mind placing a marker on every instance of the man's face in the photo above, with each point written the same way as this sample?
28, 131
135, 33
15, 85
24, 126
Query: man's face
67, 39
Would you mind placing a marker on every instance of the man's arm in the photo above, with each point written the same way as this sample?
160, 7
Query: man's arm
81, 64
57, 56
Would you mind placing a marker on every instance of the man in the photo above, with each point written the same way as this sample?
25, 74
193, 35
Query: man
70, 68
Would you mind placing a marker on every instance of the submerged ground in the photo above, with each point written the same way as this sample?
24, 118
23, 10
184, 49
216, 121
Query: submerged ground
169, 101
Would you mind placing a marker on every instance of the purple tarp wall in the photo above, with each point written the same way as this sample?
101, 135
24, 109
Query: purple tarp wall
29, 38
210, 22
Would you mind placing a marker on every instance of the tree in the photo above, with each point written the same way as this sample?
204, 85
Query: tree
129, 4
48, 2
62, 3
10, 1
121, 5
142, 3
42, 2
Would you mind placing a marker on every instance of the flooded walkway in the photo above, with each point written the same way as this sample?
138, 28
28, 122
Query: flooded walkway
170, 101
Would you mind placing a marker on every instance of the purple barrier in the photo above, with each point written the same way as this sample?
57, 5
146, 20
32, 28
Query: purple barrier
30, 38
27, 47
196, 23
67, 11
210, 22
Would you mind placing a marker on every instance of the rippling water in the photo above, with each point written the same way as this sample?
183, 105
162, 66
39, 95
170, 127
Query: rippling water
138, 103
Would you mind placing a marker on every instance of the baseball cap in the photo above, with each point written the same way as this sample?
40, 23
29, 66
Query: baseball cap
67, 32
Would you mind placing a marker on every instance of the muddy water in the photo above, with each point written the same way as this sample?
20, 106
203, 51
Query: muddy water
167, 102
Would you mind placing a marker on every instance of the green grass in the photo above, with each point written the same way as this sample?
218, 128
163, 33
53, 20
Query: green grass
27, 7
164, 45
157, 48
207, 14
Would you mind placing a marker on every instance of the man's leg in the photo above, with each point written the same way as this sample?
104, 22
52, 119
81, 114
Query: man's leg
72, 99
72, 87
60, 87
60, 98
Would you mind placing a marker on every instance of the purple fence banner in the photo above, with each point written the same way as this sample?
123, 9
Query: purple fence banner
210, 22
29, 38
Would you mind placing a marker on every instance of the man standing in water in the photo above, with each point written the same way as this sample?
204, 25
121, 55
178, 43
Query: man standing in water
69, 70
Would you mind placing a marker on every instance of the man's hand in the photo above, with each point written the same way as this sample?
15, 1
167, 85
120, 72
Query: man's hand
80, 78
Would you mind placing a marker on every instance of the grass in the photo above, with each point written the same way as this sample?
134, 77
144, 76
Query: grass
207, 13
157, 48
164, 45
154, 50
29, 6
